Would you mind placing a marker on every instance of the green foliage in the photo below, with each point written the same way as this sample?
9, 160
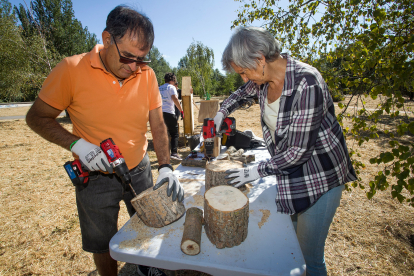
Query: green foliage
158, 64
363, 48
225, 84
46, 34
24, 63
55, 20
198, 63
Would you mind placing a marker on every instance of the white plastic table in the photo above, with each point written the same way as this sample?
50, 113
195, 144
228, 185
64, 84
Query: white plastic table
271, 247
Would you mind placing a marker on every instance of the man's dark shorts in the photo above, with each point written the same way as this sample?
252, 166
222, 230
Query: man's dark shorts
98, 205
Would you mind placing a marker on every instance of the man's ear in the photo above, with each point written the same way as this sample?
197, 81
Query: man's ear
106, 39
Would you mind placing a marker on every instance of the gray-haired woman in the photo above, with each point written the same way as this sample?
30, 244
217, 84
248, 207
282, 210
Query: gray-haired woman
309, 156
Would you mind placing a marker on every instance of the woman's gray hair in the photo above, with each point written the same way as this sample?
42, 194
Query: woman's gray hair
246, 45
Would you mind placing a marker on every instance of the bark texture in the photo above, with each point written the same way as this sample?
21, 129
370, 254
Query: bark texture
226, 216
156, 209
191, 241
216, 172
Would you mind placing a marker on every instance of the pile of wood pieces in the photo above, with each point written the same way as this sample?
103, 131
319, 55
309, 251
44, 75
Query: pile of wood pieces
236, 155
197, 159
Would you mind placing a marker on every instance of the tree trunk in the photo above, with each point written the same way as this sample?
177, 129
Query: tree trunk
226, 216
191, 241
215, 172
156, 209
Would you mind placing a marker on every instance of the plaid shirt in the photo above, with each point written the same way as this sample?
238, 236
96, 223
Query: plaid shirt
309, 156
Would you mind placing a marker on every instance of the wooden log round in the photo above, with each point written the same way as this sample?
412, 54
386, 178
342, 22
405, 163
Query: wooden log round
215, 172
156, 209
191, 241
226, 216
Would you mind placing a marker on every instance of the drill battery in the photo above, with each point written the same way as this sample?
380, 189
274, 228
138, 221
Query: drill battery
76, 173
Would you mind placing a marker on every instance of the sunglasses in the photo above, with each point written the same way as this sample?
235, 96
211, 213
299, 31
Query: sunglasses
126, 60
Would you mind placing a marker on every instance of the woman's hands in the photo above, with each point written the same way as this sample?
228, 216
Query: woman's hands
242, 176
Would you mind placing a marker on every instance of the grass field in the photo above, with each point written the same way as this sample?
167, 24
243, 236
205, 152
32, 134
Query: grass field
40, 232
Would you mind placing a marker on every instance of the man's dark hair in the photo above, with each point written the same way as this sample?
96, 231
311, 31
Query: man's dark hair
169, 77
123, 19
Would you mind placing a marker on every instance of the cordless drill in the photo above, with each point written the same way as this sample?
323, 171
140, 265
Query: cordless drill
228, 127
79, 175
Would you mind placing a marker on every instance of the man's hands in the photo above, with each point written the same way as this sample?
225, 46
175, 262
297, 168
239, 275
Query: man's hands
218, 120
182, 115
174, 186
242, 176
91, 156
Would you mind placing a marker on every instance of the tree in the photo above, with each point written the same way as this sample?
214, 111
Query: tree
373, 40
56, 22
158, 64
198, 63
23, 63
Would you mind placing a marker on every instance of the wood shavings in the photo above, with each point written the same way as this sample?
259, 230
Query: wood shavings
266, 214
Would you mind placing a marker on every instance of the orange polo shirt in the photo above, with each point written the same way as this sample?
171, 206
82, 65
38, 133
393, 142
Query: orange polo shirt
99, 107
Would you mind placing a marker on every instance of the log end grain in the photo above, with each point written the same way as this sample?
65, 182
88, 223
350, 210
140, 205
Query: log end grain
226, 216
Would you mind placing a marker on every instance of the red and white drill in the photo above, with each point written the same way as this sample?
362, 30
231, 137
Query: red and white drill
79, 175
228, 127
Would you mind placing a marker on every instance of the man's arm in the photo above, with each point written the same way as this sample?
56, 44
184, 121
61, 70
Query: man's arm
159, 136
41, 119
176, 102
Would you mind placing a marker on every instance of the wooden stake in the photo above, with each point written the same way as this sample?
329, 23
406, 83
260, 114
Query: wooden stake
156, 209
191, 241
215, 172
208, 109
226, 216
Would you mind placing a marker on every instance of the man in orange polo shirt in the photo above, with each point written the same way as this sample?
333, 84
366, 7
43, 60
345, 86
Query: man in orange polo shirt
110, 92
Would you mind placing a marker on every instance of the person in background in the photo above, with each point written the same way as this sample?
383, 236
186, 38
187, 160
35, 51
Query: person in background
110, 92
309, 156
169, 101
177, 111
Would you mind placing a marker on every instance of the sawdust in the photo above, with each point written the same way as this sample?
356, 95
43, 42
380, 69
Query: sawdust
198, 201
143, 235
266, 214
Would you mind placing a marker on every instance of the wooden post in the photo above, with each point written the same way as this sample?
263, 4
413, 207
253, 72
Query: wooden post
187, 100
156, 209
208, 109
226, 216
215, 172
191, 241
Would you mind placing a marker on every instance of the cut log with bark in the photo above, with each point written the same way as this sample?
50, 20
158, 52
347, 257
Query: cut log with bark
216, 172
156, 209
193, 225
201, 163
226, 216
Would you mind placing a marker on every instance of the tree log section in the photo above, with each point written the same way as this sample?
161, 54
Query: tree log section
156, 209
191, 241
226, 216
216, 172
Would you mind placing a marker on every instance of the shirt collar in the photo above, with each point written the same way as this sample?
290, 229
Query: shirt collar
289, 82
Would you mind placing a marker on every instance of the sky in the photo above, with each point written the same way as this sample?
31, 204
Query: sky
176, 23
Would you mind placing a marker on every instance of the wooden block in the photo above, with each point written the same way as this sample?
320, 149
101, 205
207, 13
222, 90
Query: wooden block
193, 225
226, 216
156, 209
187, 102
216, 172
208, 109
186, 86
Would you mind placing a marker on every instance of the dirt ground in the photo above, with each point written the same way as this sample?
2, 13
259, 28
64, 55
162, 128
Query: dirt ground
40, 232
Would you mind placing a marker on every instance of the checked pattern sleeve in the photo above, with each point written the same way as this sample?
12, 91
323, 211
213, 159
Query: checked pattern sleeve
295, 143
